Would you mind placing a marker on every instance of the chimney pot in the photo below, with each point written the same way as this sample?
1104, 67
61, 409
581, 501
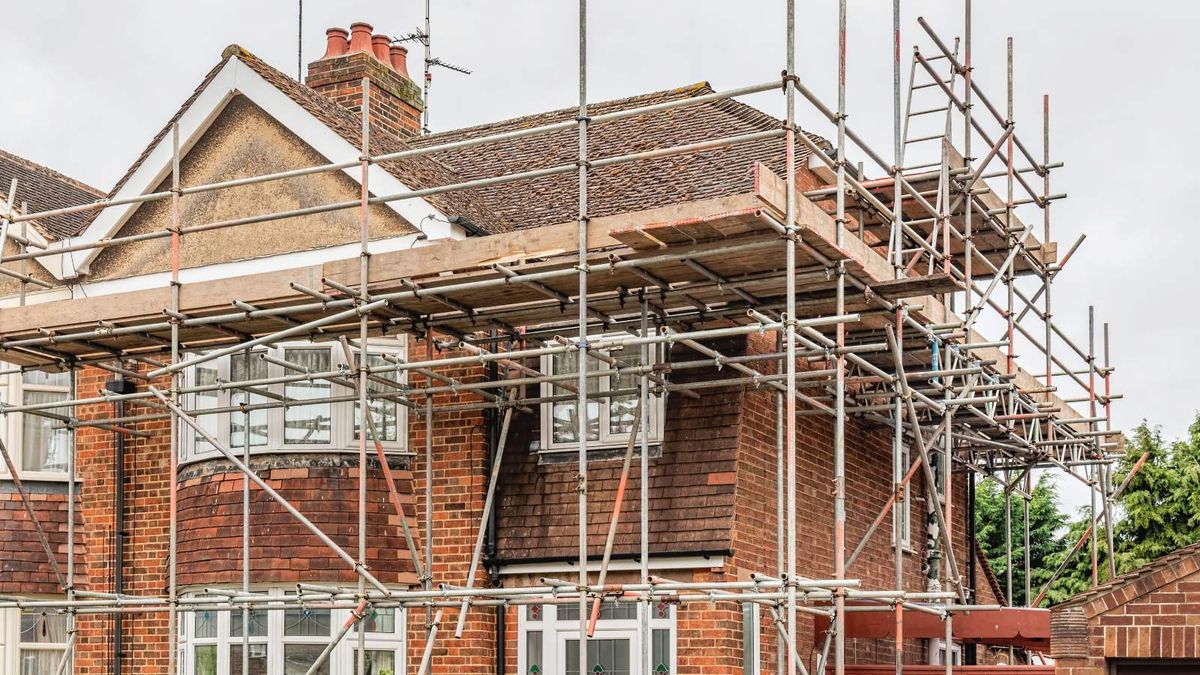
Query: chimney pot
400, 61
336, 42
360, 37
379, 47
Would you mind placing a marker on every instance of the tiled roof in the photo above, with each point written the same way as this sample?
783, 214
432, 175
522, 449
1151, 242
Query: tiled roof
44, 189
1143, 580
24, 567
627, 187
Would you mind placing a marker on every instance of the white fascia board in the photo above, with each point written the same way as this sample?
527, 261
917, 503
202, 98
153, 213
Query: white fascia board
693, 562
236, 77
237, 268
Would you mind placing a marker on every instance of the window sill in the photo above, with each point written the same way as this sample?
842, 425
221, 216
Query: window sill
602, 453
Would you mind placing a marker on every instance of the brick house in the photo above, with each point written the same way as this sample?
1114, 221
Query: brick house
712, 457
1144, 621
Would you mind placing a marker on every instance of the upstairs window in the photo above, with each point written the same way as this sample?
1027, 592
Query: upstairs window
309, 421
39, 450
610, 419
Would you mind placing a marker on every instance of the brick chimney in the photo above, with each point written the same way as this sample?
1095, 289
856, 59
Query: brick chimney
349, 57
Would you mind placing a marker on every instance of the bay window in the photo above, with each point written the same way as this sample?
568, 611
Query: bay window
288, 641
549, 640
610, 420
310, 421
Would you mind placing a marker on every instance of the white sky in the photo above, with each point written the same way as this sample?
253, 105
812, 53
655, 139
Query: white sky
89, 83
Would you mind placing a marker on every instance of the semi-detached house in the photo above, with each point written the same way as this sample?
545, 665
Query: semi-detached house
713, 475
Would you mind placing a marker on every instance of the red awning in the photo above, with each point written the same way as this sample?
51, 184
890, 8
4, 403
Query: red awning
1008, 626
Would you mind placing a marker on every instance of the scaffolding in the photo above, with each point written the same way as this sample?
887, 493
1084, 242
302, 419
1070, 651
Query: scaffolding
850, 342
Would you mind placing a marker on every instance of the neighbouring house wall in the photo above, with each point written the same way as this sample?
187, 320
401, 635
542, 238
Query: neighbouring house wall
244, 141
1154, 617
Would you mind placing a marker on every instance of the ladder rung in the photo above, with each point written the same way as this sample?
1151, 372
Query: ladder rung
932, 84
925, 138
929, 111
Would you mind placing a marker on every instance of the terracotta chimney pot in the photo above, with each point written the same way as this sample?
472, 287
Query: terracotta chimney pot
360, 37
336, 42
379, 47
400, 61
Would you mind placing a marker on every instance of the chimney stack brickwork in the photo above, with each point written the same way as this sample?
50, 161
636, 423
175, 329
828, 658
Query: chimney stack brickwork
396, 103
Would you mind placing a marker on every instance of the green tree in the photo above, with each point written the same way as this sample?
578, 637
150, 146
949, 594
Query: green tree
1046, 522
1160, 509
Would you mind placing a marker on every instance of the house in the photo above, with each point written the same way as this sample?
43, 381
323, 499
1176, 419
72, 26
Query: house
710, 444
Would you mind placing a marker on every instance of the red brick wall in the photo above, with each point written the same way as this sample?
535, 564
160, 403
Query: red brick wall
395, 101
459, 483
147, 514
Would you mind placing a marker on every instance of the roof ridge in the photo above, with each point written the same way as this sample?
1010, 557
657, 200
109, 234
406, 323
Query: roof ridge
42, 168
686, 91
1121, 580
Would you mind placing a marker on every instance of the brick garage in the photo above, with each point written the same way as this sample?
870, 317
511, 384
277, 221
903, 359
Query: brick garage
1146, 621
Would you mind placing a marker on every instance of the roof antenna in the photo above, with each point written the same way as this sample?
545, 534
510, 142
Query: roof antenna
300, 41
430, 61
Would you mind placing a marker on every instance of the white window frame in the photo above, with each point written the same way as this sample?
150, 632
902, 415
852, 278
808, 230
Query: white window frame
556, 632
937, 652
11, 646
904, 511
342, 437
607, 438
341, 661
12, 392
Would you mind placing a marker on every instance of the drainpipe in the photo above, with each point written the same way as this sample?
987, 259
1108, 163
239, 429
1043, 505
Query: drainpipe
969, 648
119, 385
489, 554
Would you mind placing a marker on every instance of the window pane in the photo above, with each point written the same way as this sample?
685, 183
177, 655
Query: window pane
206, 624
378, 662
241, 370
384, 413
41, 661
297, 659
258, 658
306, 622
44, 448
382, 620
43, 628
533, 612
603, 656
621, 408
43, 379
660, 651
258, 623
206, 660
533, 652
565, 421
608, 610
206, 400
308, 423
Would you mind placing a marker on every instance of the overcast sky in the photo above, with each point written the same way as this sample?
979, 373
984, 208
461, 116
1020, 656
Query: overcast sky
89, 83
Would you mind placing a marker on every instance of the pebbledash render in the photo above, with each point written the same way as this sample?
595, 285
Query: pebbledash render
713, 477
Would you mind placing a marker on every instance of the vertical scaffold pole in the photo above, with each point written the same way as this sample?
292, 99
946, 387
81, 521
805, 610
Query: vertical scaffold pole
581, 413
173, 446
839, 421
780, 496
246, 523
644, 484
897, 257
364, 219
1106, 481
790, 331
72, 620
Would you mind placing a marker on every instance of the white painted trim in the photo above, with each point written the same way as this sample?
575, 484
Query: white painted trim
237, 268
235, 78
693, 562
